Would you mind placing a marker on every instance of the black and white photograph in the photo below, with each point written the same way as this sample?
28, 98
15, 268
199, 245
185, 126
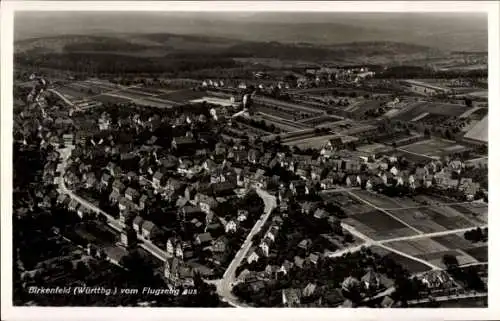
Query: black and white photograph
254, 158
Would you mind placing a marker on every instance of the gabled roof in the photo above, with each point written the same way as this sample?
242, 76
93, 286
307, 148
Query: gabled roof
148, 226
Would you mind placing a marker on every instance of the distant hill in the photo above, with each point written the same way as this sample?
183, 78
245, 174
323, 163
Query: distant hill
167, 45
446, 31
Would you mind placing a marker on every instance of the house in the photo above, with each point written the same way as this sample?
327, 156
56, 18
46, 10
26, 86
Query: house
335, 297
61, 198
257, 286
198, 226
82, 211
143, 201
158, 179
124, 204
320, 213
272, 233
291, 297
313, 258
131, 194
170, 247
309, 289
370, 280
278, 220
253, 257
264, 246
220, 245
114, 197
118, 186
137, 224
242, 215
271, 270
203, 239
183, 142
113, 169
73, 204
437, 279
182, 250
305, 244
253, 156
387, 302
308, 207
231, 226
205, 202
148, 228
189, 211
286, 267
299, 187
349, 284
298, 261
177, 273
106, 179
125, 218
90, 181
223, 188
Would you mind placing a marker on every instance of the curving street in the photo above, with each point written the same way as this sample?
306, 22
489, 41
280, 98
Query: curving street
225, 285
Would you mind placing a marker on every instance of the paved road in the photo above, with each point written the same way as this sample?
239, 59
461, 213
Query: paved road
434, 234
225, 285
66, 100
417, 154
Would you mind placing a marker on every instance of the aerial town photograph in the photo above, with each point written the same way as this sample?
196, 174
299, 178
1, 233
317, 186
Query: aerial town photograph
250, 159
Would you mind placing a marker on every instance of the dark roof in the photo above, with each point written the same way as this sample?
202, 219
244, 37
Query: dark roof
205, 237
184, 140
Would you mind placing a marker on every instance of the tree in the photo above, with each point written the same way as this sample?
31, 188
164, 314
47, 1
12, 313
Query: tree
450, 261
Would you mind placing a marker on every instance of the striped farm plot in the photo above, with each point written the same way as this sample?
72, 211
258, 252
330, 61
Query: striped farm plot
432, 251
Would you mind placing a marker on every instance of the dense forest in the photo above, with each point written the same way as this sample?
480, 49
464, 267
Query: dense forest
115, 64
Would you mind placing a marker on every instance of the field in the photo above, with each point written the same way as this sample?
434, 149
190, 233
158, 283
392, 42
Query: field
433, 249
281, 113
411, 265
480, 131
383, 201
182, 95
360, 108
378, 225
429, 219
111, 99
285, 125
414, 110
316, 142
434, 147
316, 121
71, 93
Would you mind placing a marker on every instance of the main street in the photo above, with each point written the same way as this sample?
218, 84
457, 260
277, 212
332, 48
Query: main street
225, 285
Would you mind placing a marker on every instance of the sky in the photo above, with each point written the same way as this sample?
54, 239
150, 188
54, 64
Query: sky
465, 31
